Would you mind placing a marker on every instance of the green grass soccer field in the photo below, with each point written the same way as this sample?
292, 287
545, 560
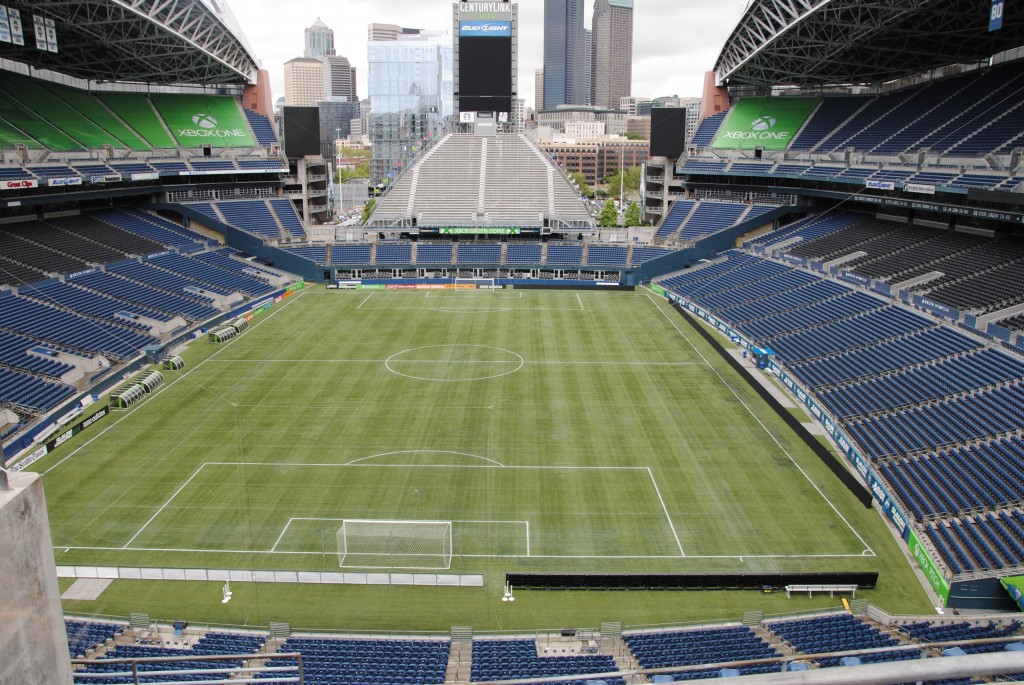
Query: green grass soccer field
555, 431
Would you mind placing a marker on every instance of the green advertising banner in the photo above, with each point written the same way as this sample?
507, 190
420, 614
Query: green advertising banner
371, 286
658, 290
769, 123
479, 231
296, 286
1015, 586
931, 571
198, 120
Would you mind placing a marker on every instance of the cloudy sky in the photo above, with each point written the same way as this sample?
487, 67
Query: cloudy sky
674, 41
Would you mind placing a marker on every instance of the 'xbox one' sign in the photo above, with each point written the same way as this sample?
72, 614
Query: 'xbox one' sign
208, 127
767, 122
760, 129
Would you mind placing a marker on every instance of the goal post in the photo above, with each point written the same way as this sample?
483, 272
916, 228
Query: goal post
382, 543
476, 283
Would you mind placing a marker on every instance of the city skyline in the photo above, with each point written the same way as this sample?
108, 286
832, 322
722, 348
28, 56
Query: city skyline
674, 43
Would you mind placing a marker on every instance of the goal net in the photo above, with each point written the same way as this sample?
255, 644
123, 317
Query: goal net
477, 283
378, 543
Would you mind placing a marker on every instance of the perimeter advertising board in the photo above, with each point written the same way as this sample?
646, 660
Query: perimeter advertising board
769, 123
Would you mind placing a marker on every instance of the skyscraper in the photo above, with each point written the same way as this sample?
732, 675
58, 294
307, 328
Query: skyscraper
612, 76
339, 78
538, 89
588, 66
410, 84
564, 54
303, 81
319, 40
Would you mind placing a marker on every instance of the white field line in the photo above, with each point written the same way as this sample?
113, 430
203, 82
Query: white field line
580, 300
273, 550
540, 362
164, 506
357, 465
668, 517
789, 456
670, 557
148, 400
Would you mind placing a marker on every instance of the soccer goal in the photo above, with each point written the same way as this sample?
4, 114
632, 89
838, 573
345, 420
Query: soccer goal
478, 283
378, 543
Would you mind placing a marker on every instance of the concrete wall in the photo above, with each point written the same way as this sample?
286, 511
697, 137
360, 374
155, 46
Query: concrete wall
33, 640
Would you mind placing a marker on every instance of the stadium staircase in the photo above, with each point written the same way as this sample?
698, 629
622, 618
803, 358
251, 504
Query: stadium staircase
460, 658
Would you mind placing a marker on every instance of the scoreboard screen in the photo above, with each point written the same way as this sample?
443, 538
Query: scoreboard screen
485, 74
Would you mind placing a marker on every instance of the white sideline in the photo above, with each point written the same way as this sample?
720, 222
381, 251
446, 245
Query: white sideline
867, 548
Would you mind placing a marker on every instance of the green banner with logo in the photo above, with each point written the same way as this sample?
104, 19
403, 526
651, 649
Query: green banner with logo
198, 120
296, 286
479, 231
371, 286
935, 577
769, 123
658, 290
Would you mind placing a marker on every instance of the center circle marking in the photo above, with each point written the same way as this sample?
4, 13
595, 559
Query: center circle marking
461, 360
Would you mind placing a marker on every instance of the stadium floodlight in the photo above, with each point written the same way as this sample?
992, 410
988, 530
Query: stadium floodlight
380, 543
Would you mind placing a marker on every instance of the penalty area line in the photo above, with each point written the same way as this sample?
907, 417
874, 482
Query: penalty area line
164, 506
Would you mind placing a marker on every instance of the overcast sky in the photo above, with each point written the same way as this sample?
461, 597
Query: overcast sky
674, 41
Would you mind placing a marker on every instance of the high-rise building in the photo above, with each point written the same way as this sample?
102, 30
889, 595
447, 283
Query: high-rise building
538, 89
319, 40
385, 32
612, 71
410, 86
692, 106
564, 54
588, 65
303, 81
339, 78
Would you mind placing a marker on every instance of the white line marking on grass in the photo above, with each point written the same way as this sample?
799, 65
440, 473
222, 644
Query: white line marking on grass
164, 506
273, 550
750, 411
533, 467
364, 301
283, 531
146, 401
389, 454
580, 300
665, 509
541, 362
673, 557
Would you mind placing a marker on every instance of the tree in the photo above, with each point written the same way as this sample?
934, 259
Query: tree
632, 215
609, 215
581, 183
631, 182
368, 210
361, 170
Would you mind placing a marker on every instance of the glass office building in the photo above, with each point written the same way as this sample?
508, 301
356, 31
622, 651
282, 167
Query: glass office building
564, 54
410, 84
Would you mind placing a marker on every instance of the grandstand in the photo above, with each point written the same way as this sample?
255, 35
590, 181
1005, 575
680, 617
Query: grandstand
472, 180
870, 257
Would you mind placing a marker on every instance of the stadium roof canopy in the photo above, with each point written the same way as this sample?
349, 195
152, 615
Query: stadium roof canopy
149, 41
823, 42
